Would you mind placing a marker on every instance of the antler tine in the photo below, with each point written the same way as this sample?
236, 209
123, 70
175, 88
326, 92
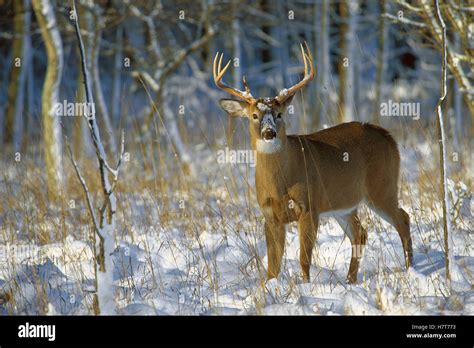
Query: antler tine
304, 60
220, 63
309, 56
218, 72
247, 89
214, 68
222, 71
308, 75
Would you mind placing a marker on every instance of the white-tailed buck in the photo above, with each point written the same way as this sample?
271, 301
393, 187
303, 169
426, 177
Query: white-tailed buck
327, 173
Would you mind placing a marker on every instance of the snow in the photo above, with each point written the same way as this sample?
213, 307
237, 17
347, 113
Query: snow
106, 290
263, 107
210, 258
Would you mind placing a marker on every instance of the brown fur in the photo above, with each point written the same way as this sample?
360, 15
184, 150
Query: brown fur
318, 180
331, 170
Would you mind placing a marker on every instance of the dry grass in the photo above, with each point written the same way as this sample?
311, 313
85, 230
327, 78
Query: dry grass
156, 196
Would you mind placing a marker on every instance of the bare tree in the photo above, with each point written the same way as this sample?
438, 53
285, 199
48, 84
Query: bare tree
161, 70
44, 12
82, 144
324, 67
99, 23
237, 71
381, 58
459, 60
16, 88
117, 76
104, 225
349, 14
453, 273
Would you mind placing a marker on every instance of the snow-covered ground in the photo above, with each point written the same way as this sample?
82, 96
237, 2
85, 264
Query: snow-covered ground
203, 252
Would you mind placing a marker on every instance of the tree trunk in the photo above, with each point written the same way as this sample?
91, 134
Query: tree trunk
117, 81
457, 106
381, 57
30, 97
16, 87
323, 67
81, 140
51, 130
236, 75
349, 13
453, 274
101, 106
283, 49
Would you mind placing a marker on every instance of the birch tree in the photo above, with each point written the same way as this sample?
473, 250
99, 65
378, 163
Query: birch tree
105, 118
16, 88
51, 129
381, 59
283, 48
82, 144
117, 79
453, 273
30, 91
104, 222
349, 14
324, 65
236, 71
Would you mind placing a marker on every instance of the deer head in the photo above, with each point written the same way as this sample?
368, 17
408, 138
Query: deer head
266, 123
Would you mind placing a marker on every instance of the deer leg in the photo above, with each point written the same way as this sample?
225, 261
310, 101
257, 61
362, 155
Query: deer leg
399, 219
358, 236
275, 238
308, 228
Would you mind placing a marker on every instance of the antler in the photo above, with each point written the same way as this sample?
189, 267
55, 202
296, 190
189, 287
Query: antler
218, 73
308, 76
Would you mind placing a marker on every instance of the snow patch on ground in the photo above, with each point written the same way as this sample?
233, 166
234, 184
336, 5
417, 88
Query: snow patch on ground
215, 264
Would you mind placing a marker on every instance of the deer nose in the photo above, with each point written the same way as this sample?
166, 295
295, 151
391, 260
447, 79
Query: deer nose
268, 134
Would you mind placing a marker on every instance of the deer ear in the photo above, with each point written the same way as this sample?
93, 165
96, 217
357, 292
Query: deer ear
236, 108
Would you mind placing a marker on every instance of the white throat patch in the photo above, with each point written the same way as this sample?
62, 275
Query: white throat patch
272, 146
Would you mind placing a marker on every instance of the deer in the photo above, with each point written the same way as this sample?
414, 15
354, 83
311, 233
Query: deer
300, 178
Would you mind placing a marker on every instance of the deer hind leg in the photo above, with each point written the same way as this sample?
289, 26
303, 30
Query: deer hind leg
275, 239
307, 228
358, 236
399, 219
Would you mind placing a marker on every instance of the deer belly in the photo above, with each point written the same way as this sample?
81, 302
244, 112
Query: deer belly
339, 212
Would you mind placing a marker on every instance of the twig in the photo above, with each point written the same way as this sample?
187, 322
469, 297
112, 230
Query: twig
404, 20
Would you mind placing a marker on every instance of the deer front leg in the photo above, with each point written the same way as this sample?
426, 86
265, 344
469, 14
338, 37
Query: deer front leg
307, 227
275, 238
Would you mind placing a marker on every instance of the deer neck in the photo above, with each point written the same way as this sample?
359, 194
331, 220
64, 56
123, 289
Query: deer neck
272, 165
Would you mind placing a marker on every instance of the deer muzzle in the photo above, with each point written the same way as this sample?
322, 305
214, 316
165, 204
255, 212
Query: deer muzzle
268, 128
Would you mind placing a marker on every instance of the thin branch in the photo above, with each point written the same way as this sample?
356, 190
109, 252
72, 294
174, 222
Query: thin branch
461, 8
115, 172
408, 6
442, 146
404, 20
84, 187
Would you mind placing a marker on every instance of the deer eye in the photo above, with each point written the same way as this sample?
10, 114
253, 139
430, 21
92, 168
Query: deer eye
255, 116
279, 115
